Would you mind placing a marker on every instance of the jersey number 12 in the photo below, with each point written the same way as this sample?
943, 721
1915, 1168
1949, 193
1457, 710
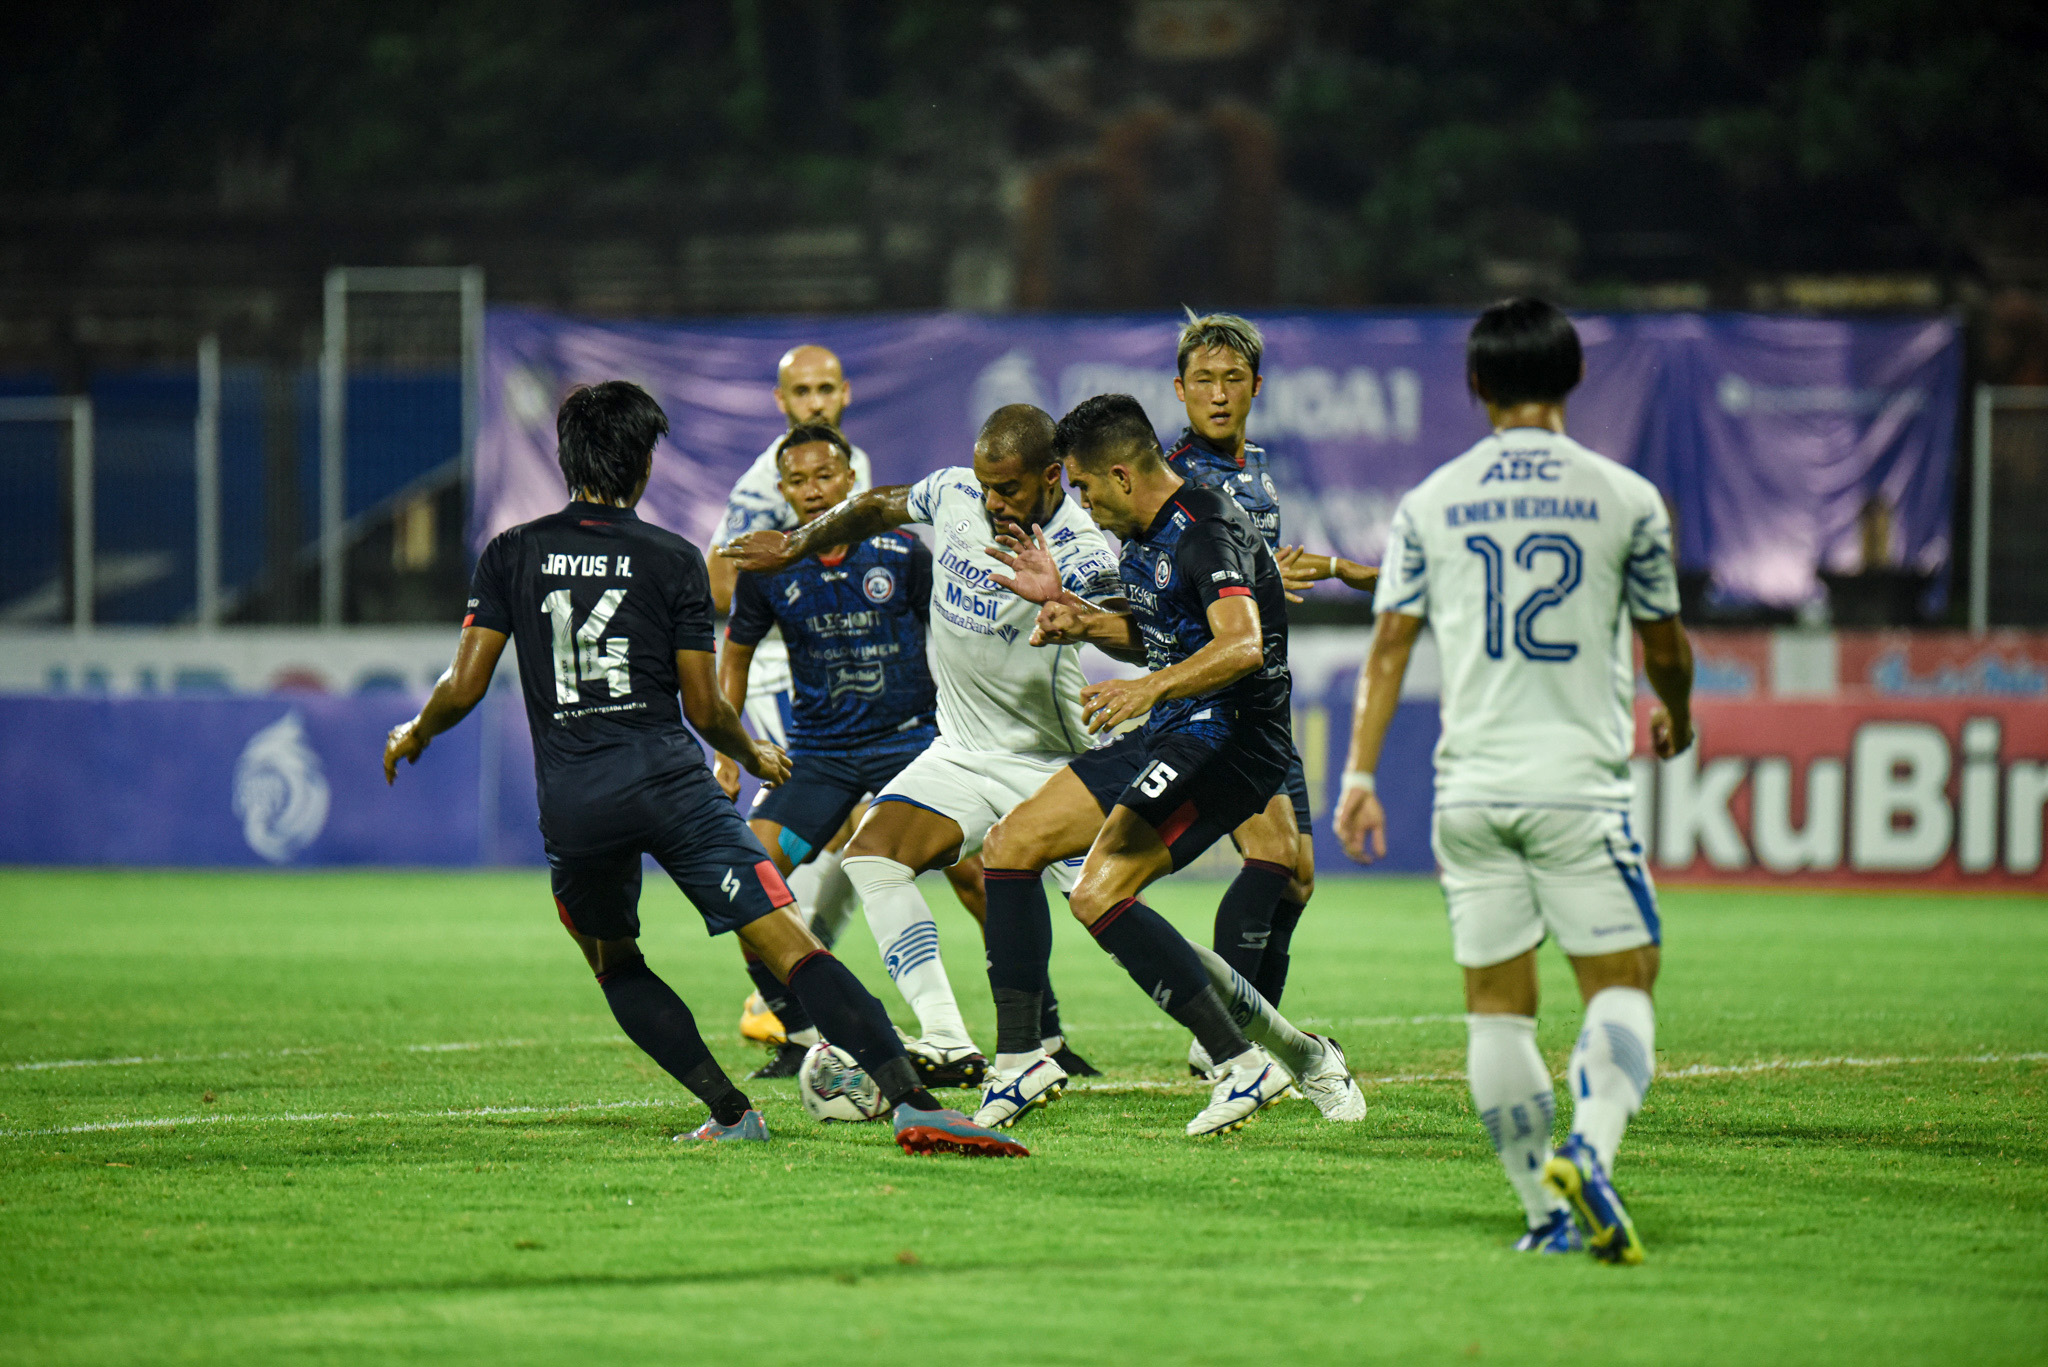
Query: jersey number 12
580, 656
1571, 566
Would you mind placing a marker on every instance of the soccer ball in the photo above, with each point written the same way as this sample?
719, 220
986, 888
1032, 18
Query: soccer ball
833, 1086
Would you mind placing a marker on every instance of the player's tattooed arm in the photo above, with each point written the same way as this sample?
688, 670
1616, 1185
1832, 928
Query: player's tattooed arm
1300, 567
456, 693
1667, 664
1359, 815
1237, 646
854, 521
714, 717
735, 663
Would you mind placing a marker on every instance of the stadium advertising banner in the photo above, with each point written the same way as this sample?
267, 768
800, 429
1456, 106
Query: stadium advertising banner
1773, 437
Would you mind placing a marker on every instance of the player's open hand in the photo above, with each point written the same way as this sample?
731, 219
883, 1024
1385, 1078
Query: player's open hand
1668, 738
1360, 819
727, 772
1059, 624
1113, 702
1298, 569
402, 742
762, 552
1033, 574
770, 764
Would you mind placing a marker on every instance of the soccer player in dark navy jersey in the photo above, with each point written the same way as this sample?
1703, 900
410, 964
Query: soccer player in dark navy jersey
853, 619
1208, 617
612, 618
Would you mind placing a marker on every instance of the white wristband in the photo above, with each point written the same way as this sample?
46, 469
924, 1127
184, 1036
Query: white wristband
1359, 778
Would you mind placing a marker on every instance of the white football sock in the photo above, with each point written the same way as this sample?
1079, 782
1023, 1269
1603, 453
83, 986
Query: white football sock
1261, 1023
823, 887
1611, 1067
1511, 1091
908, 938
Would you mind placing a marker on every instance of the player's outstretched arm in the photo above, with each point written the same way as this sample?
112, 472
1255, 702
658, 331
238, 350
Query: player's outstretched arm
718, 721
1237, 646
735, 663
857, 519
1359, 814
456, 693
1667, 664
1300, 567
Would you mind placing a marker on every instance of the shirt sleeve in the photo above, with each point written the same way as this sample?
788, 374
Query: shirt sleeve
1086, 566
1404, 572
1214, 563
490, 605
746, 513
921, 581
693, 610
1651, 574
924, 496
752, 617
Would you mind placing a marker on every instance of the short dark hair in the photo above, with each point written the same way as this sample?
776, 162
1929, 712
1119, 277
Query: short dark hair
1099, 430
807, 433
1019, 431
1524, 351
605, 436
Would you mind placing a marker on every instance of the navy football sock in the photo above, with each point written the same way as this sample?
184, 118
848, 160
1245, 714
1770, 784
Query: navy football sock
1018, 933
1244, 918
1271, 979
778, 998
1048, 1013
654, 1018
1162, 963
850, 1018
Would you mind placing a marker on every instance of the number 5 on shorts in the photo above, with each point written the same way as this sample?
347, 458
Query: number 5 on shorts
1155, 778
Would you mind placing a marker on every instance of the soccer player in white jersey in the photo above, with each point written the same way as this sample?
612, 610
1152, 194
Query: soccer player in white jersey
1009, 713
810, 387
1531, 557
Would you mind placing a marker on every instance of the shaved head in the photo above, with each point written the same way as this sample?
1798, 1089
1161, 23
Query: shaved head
1019, 432
809, 386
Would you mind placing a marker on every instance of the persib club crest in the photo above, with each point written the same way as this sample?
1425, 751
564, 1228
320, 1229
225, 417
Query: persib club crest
1162, 573
878, 584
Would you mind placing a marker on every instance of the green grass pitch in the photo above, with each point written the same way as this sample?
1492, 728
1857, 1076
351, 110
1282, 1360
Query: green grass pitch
408, 1130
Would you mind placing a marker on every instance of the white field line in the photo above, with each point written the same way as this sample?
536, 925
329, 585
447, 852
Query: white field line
1696, 1070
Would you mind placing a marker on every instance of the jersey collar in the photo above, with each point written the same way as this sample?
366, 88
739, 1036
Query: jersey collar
600, 512
1190, 437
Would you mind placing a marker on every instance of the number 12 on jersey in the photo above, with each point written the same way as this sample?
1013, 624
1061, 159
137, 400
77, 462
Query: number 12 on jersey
580, 655
1571, 565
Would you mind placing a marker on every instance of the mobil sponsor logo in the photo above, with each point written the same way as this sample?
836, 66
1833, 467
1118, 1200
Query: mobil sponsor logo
970, 604
1863, 791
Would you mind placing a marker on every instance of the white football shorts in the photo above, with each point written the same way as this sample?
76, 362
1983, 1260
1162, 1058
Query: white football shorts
1514, 874
976, 789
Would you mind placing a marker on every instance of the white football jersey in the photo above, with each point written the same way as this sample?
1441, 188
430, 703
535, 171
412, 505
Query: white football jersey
756, 503
1529, 555
997, 691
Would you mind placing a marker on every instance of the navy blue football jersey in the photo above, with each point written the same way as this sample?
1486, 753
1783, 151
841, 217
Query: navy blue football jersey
855, 629
1201, 547
1198, 461
597, 604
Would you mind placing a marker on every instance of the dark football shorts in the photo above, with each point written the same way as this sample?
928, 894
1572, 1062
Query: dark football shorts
1192, 787
1297, 793
703, 844
822, 791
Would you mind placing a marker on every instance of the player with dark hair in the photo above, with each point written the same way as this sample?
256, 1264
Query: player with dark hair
1531, 558
853, 620
611, 617
1009, 715
1206, 612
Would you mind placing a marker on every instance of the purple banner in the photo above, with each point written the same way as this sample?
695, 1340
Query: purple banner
1770, 436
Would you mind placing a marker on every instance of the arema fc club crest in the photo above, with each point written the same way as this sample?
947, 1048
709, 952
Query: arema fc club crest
281, 792
1162, 573
878, 584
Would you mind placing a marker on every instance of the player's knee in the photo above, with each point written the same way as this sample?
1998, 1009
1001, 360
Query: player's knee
1302, 886
1012, 844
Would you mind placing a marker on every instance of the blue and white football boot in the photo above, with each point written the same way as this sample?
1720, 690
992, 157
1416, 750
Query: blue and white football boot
750, 1126
1558, 1234
946, 1131
1244, 1086
1575, 1173
1007, 1094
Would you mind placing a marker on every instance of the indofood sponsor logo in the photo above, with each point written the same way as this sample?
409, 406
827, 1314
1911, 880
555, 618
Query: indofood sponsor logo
281, 793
